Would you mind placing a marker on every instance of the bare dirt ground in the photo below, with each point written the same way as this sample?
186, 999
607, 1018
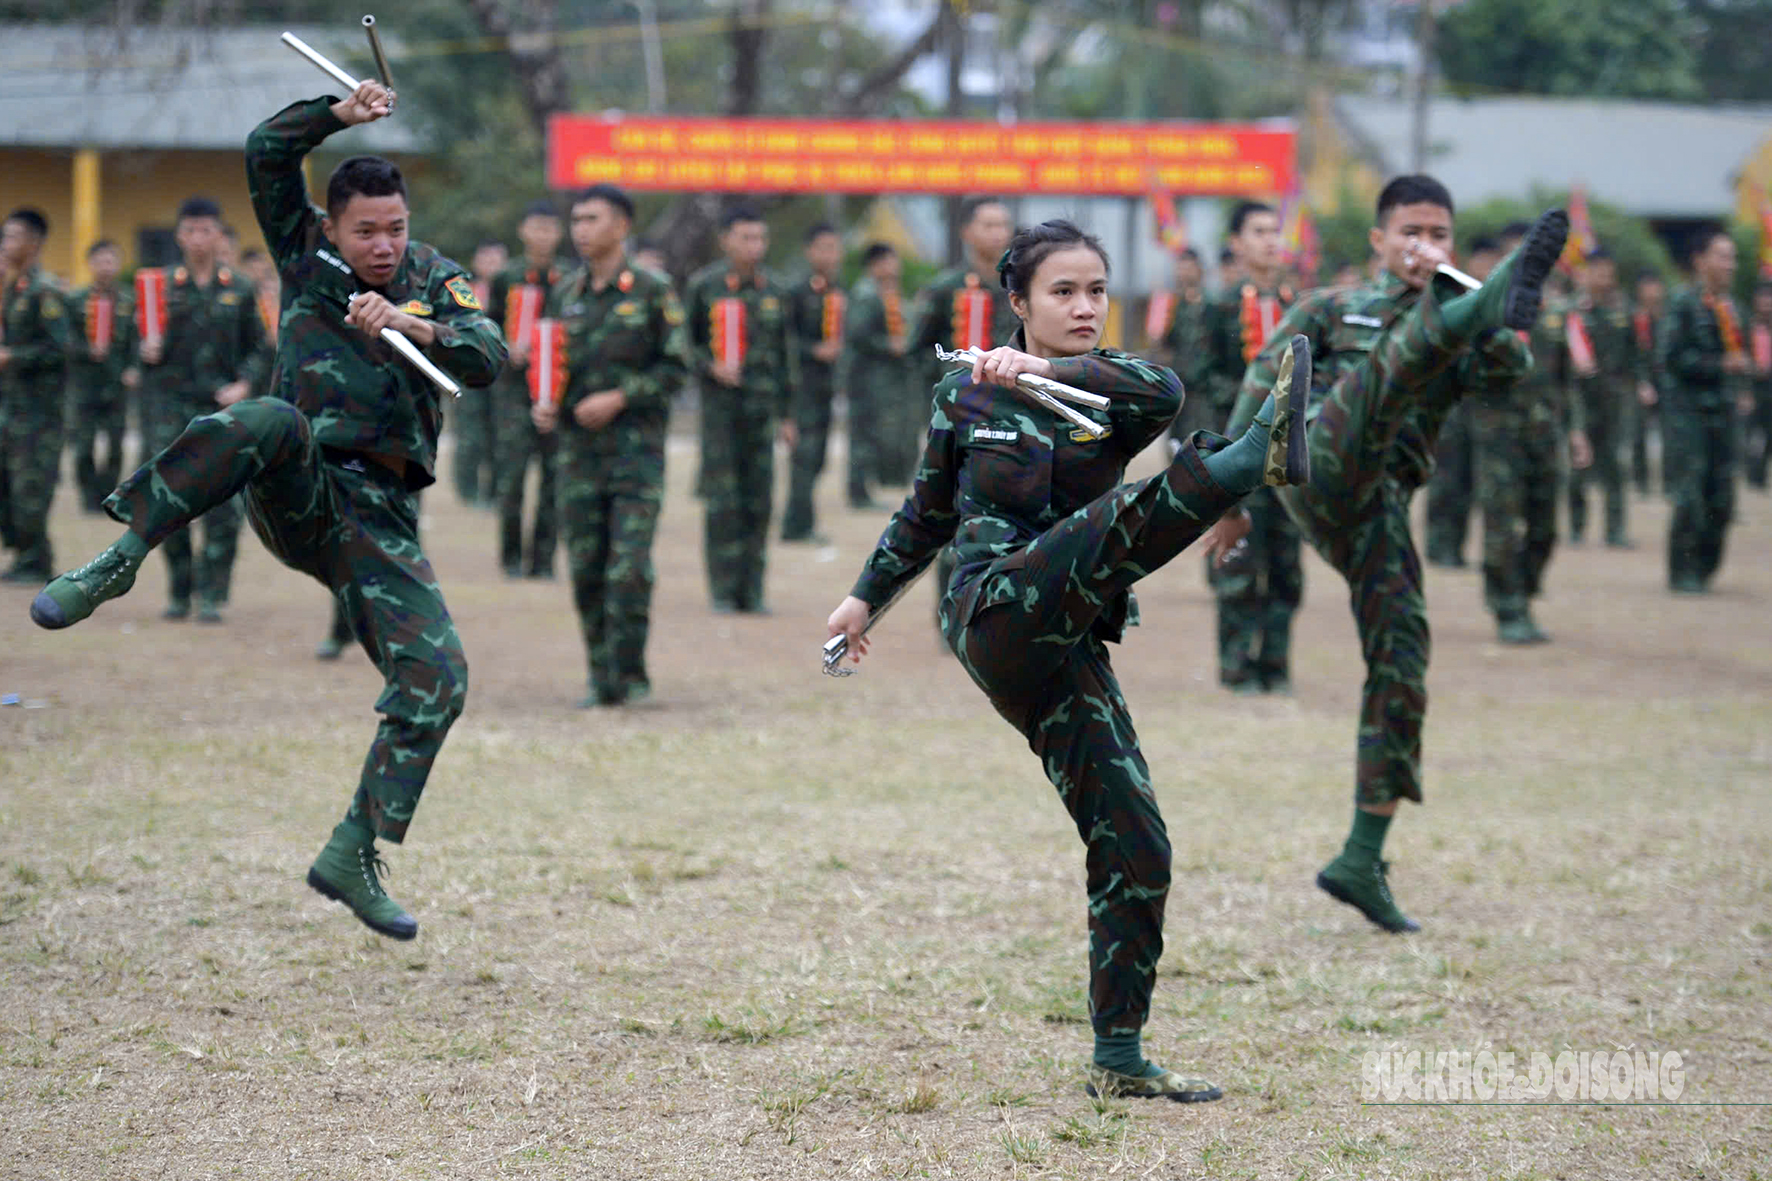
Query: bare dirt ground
775, 925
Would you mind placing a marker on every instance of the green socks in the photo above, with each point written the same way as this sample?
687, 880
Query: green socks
1366, 840
131, 546
1123, 1053
1239, 468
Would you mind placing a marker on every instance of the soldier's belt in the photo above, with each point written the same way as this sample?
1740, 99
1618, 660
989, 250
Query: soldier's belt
1043, 391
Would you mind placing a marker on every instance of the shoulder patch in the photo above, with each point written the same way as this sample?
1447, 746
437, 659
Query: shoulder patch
459, 288
51, 308
673, 312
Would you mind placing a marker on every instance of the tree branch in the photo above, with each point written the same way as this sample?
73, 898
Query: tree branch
871, 88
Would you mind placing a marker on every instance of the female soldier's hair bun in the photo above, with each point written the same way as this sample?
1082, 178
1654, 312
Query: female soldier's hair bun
1030, 247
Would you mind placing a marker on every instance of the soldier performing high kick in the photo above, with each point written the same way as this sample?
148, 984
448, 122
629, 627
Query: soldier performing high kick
1394, 361
332, 461
1047, 544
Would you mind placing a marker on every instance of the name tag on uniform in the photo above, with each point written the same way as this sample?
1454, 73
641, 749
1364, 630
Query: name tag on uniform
1360, 321
991, 434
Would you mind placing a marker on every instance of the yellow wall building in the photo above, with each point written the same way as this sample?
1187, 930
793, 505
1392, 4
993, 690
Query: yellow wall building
108, 131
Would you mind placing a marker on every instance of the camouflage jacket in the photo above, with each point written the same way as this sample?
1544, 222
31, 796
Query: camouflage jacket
772, 353
1618, 362
1690, 346
501, 304
358, 393
34, 330
998, 471
1224, 351
1543, 396
627, 336
84, 369
807, 300
1344, 325
213, 336
938, 313
868, 344
1184, 345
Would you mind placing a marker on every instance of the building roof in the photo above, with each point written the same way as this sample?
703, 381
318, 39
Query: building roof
66, 86
1649, 159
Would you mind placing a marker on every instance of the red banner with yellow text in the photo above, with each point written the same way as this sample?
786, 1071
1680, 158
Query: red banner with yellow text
894, 156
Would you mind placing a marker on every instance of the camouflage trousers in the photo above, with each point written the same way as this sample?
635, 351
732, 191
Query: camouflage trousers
737, 486
807, 460
205, 570
1519, 477
609, 520
861, 428
1605, 434
1259, 591
1640, 417
350, 523
1451, 490
901, 413
474, 470
1698, 460
1757, 444
517, 444
1024, 627
96, 412
1355, 512
30, 467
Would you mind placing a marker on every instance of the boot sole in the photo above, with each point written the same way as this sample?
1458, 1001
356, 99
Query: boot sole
327, 890
1172, 1096
1298, 452
1525, 294
1334, 889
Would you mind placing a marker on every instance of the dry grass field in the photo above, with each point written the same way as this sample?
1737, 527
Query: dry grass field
772, 925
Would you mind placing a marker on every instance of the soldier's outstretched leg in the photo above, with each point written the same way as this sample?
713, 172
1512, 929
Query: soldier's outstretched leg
353, 525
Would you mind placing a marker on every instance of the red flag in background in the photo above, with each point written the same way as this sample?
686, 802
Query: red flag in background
1581, 241
1171, 230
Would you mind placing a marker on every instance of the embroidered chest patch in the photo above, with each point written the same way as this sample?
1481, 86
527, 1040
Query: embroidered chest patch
993, 434
1360, 321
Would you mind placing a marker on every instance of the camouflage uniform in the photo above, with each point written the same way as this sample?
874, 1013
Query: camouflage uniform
1698, 436
1606, 398
515, 439
1758, 435
97, 399
888, 383
627, 336
34, 329
1452, 490
213, 336
808, 300
738, 427
1385, 374
1188, 349
1520, 428
470, 421
304, 457
1641, 415
1260, 587
939, 322
1048, 543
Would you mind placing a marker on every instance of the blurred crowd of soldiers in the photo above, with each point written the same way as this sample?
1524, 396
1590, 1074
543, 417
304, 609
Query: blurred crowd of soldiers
774, 357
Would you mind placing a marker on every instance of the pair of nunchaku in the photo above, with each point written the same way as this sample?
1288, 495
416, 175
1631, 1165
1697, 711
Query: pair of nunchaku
395, 338
1055, 396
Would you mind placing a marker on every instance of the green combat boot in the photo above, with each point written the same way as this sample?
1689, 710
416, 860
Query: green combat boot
349, 870
1111, 1084
1364, 888
331, 648
209, 611
1519, 629
73, 596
